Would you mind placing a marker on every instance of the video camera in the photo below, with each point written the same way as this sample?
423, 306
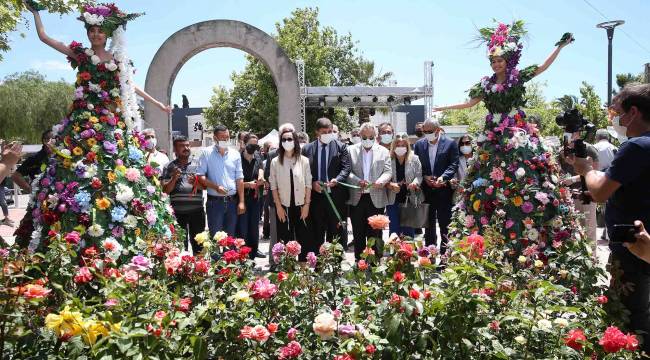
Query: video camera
573, 123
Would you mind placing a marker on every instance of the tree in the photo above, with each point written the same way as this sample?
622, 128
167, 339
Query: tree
31, 105
591, 106
624, 79
566, 102
12, 11
330, 60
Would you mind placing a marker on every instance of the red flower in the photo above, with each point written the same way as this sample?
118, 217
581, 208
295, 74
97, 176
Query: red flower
395, 300
72, 238
632, 342
231, 256
494, 326
370, 349
244, 252
575, 339
398, 276
405, 251
85, 76
475, 244
282, 276
613, 340
83, 275
184, 305
602, 299
414, 294
91, 156
291, 351
149, 171
362, 265
344, 357
96, 183
202, 266
272, 327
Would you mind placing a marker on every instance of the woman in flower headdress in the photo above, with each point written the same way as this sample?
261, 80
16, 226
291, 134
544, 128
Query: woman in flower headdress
511, 183
97, 195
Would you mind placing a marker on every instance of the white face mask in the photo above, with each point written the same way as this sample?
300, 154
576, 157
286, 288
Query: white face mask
621, 130
327, 138
367, 143
432, 137
400, 150
288, 145
386, 138
355, 139
151, 143
466, 149
222, 144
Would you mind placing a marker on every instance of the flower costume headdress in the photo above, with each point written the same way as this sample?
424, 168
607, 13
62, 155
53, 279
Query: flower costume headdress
107, 16
504, 41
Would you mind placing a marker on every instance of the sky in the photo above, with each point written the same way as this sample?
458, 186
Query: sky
399, 36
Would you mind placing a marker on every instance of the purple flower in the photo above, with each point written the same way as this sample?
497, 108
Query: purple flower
312, 259
99, 10
140, 263
277, 251
423, 252
88, 133
110, 147
509, 223
527, 207
4, 253
347, 330
118, 232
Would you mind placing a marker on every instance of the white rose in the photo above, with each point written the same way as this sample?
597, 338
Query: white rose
533, 234
130, 222
91, 171
95, 59
89, 52
95, 230
561, 323
520, 173
124, 194
544, 324
111, 66
91, 106
65, 152
520, 339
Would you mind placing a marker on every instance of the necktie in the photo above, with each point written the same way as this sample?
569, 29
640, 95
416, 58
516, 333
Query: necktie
323, 163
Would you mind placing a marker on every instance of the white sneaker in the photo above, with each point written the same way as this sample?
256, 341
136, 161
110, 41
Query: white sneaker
7, 221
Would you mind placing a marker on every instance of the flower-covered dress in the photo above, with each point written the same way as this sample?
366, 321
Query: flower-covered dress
512, 181
97, 191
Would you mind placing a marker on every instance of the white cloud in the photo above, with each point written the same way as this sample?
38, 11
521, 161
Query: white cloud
50, 65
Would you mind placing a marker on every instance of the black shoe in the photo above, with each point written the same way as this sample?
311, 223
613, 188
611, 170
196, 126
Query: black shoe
260, 254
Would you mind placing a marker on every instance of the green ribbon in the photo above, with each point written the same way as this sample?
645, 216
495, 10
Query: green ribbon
327, 191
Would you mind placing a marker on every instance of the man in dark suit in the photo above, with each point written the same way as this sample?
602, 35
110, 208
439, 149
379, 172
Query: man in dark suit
439, 157
330, 164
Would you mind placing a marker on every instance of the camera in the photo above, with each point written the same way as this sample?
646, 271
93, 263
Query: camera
575, 124
624, 233
572, 121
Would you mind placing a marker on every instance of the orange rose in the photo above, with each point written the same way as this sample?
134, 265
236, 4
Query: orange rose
517, 201
378, 222
35, 291
103, 203
477, 205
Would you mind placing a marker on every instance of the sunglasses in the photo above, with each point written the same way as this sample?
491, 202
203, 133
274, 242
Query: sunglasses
401, 137
287, 139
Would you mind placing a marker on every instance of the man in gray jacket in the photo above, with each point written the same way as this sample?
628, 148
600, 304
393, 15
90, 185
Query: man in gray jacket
371, 171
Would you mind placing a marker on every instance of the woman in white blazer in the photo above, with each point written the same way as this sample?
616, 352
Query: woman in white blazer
290, 181
405, 184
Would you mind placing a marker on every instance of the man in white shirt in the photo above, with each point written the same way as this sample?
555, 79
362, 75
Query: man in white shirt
154, 157
606, 150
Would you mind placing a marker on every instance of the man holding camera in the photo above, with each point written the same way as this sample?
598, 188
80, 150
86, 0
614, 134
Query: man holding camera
625, 187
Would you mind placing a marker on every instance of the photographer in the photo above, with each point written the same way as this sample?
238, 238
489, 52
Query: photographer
624, 185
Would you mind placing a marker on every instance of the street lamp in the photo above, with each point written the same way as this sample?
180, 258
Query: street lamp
609, 27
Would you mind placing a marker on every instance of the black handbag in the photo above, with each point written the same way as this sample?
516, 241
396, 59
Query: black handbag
414, 215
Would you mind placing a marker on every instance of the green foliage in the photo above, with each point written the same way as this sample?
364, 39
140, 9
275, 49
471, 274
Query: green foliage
330, 60
32, 104
591, 106
11, 14
624, 79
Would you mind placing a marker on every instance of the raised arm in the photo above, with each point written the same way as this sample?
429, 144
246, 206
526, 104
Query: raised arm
54, 44
465, 105
566, 40
149, 98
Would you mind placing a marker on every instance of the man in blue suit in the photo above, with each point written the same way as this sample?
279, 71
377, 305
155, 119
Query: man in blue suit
439, 157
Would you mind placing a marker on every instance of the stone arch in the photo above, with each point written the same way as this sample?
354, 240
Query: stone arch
193, 39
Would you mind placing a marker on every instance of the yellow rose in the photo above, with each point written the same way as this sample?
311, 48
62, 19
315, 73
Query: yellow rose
93, 119
92, 330
67, 163
517, 201
242, 296
201, 237
137, 231
120, 143
539, 263
76, 128
65, 323
91, 142
484, 157
477, 205
120, 169
111, 177
77, 151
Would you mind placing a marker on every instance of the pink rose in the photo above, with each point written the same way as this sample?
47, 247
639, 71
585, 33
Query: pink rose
263, 288
131, 276
72, 238
132, 174
293, 248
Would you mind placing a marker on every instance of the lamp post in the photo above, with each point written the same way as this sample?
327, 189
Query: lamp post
609, 27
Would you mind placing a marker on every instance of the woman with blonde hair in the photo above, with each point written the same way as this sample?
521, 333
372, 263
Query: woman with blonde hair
405, 185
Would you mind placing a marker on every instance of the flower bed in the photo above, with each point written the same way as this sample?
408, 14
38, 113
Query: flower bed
167, 304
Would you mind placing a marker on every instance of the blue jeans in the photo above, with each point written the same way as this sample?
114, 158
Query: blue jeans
394, 227
222, 215
248, 224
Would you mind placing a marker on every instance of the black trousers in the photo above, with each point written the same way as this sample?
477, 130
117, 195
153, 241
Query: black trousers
636, 299
193, 223
440, 203
294, 228
324, 223
359, 215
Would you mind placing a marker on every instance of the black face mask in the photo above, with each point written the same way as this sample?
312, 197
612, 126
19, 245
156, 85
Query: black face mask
252, 148
419, 133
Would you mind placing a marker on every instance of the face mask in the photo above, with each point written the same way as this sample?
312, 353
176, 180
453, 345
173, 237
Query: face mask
355, 139
386, 138
222, 144
466, 149
288, 145
400, 150
621, 130
327, 138
367, 143
151, 143
431, 137
252, 148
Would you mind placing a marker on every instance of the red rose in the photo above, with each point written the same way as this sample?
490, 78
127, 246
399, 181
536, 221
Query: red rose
414, 294
202, 266
184, 305
95, 183
370, 349
395, 300
282, 276
575, 339
244, 252
85, 76
362, 265
83, 275
632, 342
291, 351
613, 340
272, 327
398, 276
149, 171
91, 156
602, 299
231, 256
